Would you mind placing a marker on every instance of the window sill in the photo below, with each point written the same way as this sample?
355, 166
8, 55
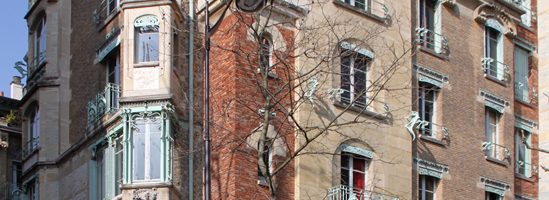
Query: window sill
362, 111
523, 177
433, 53
494, 79
146, 64
432, 140
142, 185
382, 20
496, 161
31, 153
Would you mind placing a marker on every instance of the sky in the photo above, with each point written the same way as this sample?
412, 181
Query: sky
13, 37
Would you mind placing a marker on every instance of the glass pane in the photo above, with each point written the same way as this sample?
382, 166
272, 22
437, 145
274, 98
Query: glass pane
118, 159
345, 177
430, 14
359, 165
346, 77
139, 151
147, 44
360, 4
155, 154
358, 180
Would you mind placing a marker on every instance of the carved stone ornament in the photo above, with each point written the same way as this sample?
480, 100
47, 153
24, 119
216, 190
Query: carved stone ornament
146, 20
145, 194
490, 11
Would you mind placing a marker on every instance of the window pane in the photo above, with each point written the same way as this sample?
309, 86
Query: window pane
359, 164
118, 157
360, 4
346, 77
155, 154
139, 151
358, 180
147, 44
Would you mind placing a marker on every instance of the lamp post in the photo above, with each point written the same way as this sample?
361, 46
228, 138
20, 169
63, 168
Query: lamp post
245, 6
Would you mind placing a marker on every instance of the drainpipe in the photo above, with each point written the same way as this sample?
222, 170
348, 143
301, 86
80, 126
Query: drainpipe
190, 96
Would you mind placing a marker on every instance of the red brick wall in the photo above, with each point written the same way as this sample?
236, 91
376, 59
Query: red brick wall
235, 100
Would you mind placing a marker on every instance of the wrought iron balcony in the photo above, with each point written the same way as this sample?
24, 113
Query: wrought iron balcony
495, 69
35, 64
104, 102
433, 41
496, 151
525, 169
432, 131
30, 146
342, 192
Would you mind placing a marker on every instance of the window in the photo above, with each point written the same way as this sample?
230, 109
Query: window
118, 165
523, 155
427, 187
526, 18
521, 74
266, 52
426, 107
354, 66
493, 52
491, 133
40, 42
267, 158
112, 6
101, 175
427, 9
359, 4
491, 196
32, 189
106, 172
113, 81
146, 148
354, 171
33, 138
146, 39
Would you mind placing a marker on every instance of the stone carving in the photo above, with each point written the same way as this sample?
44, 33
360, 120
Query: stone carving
145, 194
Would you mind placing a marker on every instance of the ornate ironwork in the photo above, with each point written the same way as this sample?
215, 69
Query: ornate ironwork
343, 192
497, 151
104, 102
36, 64
436, 131
496, 69
433, 41
30, 146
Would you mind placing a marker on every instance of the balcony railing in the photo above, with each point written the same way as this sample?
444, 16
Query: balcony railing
495, 69
104, 102
431, 130
35, 64
346, 193
526, 169
30, 146
347, 97
496, 151
433, 41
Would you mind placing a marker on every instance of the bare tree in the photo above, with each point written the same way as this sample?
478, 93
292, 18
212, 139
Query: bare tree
293, 59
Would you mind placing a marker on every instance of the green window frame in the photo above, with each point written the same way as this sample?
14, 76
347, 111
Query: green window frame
151, 115
104, 167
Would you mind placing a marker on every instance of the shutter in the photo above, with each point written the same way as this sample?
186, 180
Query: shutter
521, 74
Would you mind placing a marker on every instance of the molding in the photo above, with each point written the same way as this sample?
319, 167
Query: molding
430, 76
490, 100
525, 123
353, 47
495, 186
525, 44
429, 168
486, 11
356, 150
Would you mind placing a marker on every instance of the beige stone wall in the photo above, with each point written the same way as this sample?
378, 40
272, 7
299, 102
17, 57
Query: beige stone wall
389, 171
543, 51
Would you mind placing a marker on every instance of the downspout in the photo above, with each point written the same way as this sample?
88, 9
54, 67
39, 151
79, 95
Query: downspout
190, 96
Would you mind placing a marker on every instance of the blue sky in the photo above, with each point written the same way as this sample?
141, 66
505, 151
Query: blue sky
13, 37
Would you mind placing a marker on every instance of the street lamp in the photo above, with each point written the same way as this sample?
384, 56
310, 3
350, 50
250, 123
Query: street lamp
245, 6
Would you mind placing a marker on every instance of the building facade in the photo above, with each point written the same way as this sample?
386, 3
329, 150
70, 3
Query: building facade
10, 143
475, 87
543, 18
105, 114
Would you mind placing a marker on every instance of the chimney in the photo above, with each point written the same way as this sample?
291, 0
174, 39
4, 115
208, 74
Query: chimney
1, 93
16, 88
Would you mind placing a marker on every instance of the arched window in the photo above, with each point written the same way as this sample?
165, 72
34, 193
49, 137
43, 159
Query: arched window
493, 49
39, 43
266, 51
146, 39
355, 62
